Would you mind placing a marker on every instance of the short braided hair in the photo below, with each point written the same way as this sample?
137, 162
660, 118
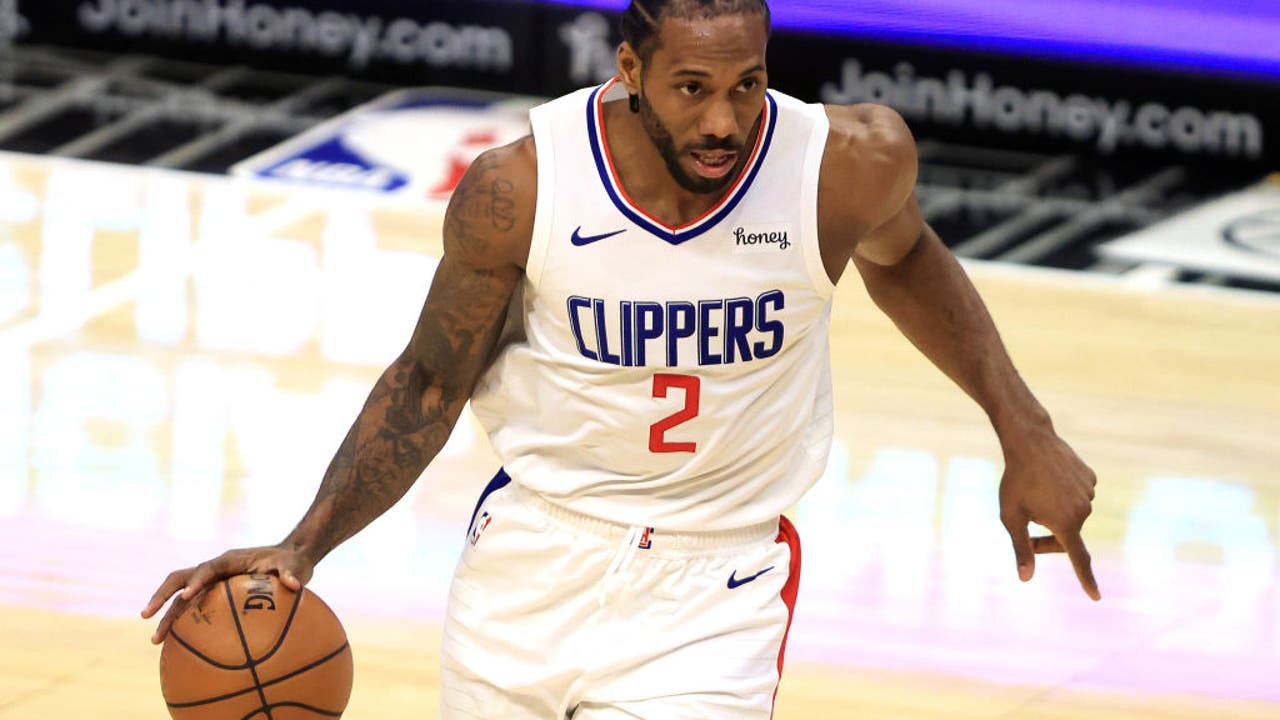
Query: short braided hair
642, 18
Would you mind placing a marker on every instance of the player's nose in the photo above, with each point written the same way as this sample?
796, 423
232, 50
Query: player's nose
718, 120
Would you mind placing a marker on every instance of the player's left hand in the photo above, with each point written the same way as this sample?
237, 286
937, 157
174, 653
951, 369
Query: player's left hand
1047, 483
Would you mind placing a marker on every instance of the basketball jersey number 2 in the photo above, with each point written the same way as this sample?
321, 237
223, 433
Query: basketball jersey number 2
662, 382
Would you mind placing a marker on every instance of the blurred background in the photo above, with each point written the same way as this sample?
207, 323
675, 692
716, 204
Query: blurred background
218, 219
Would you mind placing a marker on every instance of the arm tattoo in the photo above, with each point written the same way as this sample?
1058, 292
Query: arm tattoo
484, 201
415, 403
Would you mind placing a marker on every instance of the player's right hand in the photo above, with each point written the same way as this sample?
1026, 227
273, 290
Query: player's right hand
293, 568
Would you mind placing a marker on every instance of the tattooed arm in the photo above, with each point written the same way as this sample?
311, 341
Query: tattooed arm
414, 405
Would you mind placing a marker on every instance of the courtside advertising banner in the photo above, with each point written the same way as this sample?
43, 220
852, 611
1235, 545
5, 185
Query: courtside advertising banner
1083, 105
470, 43
1180, 81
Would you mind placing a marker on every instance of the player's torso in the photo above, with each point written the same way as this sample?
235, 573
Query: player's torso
673, 377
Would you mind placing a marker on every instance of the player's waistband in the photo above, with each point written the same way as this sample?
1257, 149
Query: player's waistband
656, 540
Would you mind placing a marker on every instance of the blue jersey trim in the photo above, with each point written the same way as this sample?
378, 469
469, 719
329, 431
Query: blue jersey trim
678, 236
499, 481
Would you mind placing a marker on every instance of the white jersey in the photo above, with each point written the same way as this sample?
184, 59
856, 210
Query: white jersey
668, 377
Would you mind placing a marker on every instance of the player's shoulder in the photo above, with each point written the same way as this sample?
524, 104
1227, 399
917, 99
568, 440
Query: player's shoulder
489, 220
870, 128
516, 161
870, 150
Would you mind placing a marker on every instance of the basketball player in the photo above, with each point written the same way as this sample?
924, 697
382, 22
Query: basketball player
635, 299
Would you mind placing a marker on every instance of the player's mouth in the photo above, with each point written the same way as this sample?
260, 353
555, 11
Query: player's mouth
713, 163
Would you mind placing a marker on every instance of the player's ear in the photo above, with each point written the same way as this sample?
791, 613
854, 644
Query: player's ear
629, 67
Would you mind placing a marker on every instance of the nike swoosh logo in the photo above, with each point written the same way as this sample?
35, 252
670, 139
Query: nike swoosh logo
735, 582
581, 240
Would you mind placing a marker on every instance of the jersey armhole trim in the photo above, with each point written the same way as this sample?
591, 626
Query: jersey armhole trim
809, 200
544, 207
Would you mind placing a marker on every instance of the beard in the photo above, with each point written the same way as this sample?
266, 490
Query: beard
666, 146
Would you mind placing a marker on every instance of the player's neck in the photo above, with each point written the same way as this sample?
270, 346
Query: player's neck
644, 174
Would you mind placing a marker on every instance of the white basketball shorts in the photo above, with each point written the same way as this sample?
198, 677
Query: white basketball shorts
555, 615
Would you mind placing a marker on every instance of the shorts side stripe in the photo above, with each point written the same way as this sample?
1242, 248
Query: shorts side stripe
790, 590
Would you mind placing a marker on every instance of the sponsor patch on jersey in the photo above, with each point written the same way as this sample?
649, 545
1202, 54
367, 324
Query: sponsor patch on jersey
761, 238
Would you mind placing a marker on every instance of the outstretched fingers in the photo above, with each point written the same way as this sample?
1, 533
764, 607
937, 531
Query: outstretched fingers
175, 611
176, 581
204, 574
1066, 540
187, 585
191, 582
1016, 523
1080, 560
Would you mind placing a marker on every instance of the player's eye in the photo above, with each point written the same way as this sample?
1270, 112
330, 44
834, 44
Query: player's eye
749, 84
689, 89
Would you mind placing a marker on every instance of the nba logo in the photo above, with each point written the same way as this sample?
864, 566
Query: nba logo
481, 523
646, 539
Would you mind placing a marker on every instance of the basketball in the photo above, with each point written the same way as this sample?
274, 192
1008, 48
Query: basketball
251, 649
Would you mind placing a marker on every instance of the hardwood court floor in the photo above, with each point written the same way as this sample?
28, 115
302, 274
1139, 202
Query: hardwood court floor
75, 666
179, 356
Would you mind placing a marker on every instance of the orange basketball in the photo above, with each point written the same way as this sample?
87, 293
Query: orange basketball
253, 649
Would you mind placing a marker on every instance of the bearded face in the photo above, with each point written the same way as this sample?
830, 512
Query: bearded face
714, 161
